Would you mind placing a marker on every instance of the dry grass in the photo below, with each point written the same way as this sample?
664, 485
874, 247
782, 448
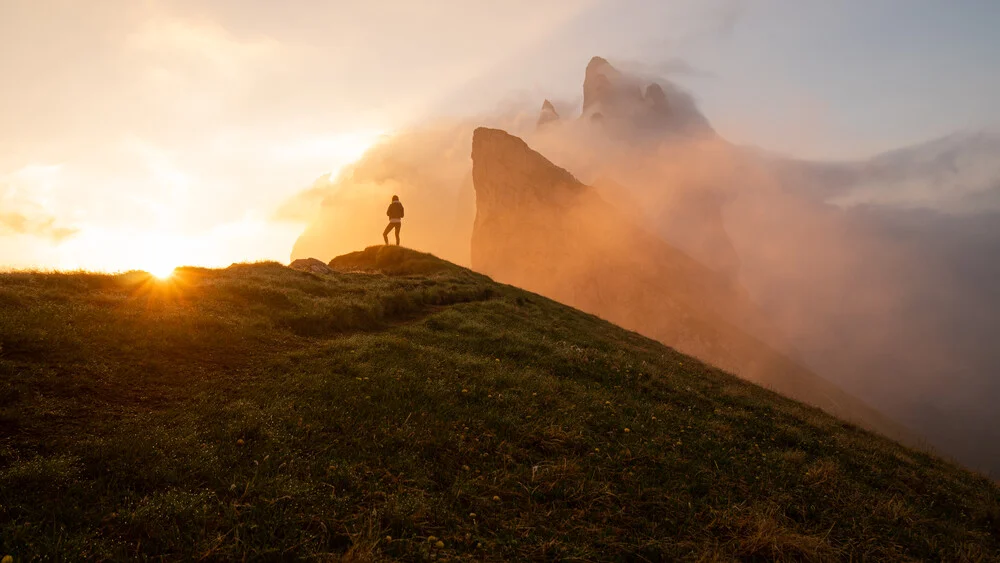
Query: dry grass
763, 534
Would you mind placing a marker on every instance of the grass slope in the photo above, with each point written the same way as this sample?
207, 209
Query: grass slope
263, 412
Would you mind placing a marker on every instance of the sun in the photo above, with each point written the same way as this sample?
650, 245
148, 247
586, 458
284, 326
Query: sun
161, 271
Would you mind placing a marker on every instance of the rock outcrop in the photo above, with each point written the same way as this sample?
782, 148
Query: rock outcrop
548, 114
311, 265
539, 228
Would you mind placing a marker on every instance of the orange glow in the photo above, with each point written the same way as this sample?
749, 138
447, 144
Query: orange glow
162, 272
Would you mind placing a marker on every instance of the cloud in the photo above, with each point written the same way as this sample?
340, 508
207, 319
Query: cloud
203, 42
665, 68
25, 197
729, 15
12, 222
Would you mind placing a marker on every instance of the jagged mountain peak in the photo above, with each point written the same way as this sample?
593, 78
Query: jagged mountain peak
606, 87
548, 113
629, 106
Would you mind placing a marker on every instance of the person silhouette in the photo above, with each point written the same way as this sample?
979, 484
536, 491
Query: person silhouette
395, 213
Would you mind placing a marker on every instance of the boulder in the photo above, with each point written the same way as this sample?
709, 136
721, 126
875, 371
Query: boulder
311, 265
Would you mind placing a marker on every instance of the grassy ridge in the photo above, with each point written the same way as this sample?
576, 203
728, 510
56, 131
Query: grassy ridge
262, 412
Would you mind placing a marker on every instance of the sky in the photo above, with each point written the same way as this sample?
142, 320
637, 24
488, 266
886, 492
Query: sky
153, 133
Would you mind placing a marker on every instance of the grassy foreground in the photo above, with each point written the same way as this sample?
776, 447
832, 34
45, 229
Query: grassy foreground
429, 413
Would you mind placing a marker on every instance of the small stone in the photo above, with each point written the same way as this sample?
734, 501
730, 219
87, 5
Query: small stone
439, 544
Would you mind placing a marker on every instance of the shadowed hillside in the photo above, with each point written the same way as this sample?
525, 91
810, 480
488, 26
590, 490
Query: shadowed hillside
264, 412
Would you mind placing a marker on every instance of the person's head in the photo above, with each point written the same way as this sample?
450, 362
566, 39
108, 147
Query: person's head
395, 198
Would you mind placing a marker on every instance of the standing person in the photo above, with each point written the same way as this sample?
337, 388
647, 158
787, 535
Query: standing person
395, 213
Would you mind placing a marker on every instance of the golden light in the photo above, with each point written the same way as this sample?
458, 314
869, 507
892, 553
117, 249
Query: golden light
162, 271
162, 253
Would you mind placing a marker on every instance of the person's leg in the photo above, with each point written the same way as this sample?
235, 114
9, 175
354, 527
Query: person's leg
385, 233
398, 225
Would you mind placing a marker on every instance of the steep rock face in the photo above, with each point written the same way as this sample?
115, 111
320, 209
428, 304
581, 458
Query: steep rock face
539, 228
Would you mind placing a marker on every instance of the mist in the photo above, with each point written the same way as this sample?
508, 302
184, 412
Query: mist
857, 293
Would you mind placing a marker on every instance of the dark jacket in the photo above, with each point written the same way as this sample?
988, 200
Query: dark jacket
395, 210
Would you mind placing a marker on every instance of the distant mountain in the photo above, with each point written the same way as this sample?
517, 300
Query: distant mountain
625, 128
626, 106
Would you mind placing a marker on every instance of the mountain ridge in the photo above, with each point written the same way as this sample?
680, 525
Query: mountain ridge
539, 228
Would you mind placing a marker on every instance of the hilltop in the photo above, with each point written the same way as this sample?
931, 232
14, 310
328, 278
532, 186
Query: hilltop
401, 407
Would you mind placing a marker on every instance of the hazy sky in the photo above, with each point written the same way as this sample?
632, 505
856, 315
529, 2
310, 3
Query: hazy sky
143, 133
